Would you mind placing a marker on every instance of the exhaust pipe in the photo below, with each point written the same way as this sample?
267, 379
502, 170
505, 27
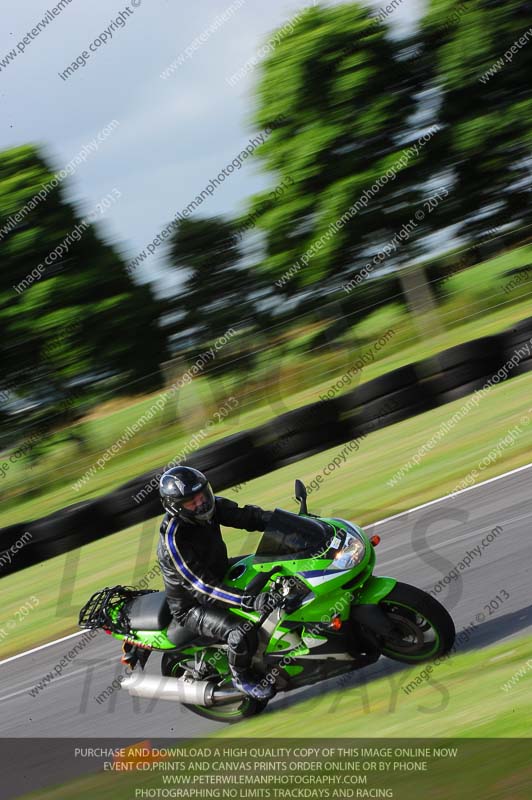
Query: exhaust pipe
180, 690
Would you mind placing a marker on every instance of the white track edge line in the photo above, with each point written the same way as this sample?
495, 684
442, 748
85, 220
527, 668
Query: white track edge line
371, 524
450, 496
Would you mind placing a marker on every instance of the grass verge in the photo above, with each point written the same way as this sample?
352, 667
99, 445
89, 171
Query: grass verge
358, 489
455, 705
475, 305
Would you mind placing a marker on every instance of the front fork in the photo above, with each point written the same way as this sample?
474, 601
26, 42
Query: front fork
365, 609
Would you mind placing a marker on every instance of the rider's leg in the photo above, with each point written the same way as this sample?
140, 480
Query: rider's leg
241, 638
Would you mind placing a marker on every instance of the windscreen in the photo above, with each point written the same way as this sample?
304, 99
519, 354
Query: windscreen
289, 536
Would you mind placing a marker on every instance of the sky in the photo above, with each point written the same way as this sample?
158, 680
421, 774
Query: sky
173, 134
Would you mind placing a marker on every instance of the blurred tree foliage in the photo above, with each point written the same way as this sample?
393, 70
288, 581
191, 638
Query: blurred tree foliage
82, 314
353, 101
346, 99
217, 293
484, 104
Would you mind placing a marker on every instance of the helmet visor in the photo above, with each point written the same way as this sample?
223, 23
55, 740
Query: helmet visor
196, 502
200, 506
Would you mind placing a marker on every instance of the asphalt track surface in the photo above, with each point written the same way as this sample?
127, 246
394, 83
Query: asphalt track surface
418, 547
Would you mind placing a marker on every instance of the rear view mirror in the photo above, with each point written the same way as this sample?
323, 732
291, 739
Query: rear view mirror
301, 496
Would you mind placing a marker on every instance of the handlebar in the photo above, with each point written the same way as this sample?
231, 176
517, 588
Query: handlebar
258, 583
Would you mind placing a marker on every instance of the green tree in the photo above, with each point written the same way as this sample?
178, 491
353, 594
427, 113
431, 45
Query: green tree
484, 103
217, 292
346, 100
79, 312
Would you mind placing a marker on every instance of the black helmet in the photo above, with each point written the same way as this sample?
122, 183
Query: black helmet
180, 487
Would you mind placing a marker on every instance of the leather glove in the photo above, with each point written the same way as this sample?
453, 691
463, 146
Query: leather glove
266, 601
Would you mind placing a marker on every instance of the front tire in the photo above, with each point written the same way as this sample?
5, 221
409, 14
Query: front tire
174, 666
425, 629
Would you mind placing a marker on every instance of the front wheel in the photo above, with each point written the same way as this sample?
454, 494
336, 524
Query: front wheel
174, 667
424, 628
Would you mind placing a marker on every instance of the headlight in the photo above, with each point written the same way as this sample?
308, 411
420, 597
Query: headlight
351, 554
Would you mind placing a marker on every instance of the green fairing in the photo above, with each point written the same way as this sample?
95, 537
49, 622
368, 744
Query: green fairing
374, 590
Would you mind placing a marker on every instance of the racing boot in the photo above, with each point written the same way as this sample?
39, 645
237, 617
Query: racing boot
252, 685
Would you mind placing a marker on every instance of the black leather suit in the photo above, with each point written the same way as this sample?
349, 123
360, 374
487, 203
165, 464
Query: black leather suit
193, 561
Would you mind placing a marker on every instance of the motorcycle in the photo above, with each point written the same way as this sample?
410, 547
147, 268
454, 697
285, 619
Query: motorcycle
335, 617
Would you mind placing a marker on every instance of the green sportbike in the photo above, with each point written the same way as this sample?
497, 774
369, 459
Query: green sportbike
336, 617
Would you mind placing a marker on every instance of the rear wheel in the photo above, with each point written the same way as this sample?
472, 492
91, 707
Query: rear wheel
175, 666
424, 628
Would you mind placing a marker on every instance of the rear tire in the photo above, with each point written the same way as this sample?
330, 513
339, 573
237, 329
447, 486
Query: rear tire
172, 667
425, 627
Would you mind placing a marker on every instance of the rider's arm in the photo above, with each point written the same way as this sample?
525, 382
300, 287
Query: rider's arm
250, 518
183, 571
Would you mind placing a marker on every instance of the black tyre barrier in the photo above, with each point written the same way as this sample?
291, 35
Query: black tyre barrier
122, 506
14, 553
398, 395
383, 421
453, 378
69, 528
379, 387
523, 366
517, 340
370, 407
239, 470
311, 417
408, 397
221, 451
518, 346
10, 535
463, 390
522, 327
291, 446
487, 350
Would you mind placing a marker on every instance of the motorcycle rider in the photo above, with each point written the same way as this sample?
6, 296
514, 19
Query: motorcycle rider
193, 559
